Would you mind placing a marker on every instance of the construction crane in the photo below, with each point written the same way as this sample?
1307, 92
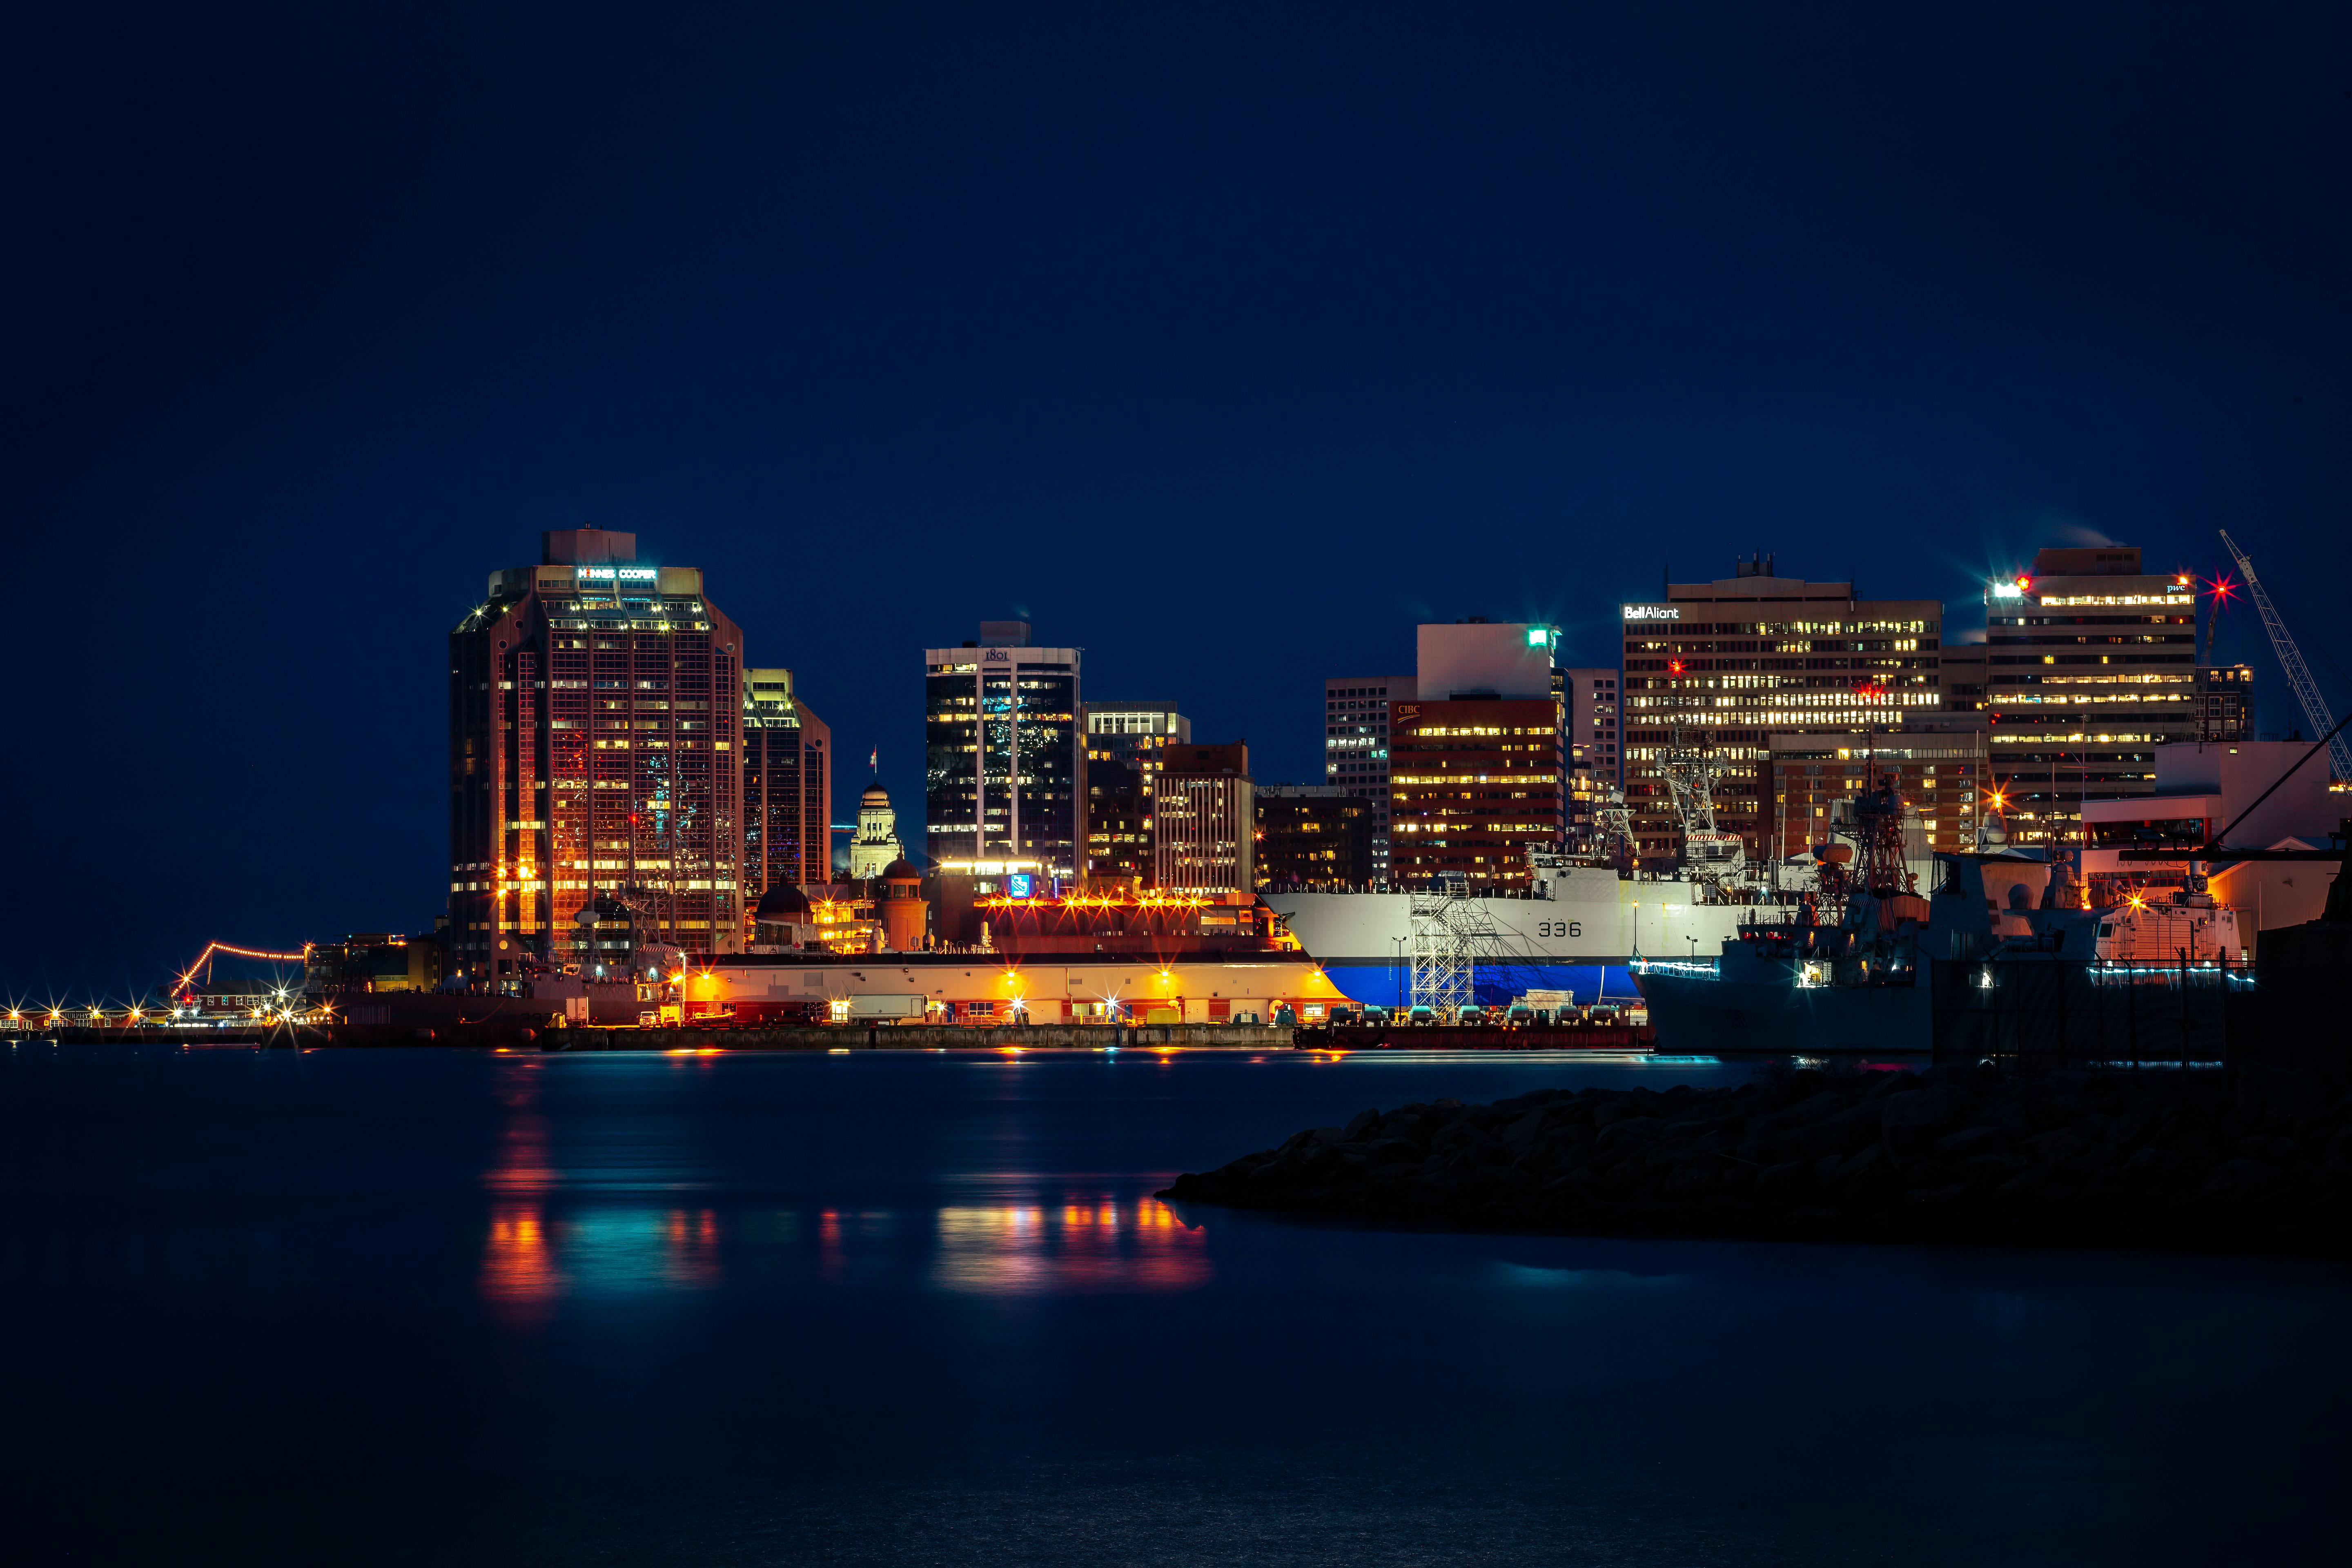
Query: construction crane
2298, 674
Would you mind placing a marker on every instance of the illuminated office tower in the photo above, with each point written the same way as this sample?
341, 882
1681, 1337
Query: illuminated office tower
594, 747
1356, 746
1728, 665
1203, 822
1478, 768
787, 786
1002, 760
2090, 664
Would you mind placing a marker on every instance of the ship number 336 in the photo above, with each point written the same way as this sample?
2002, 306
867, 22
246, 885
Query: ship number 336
1560, 928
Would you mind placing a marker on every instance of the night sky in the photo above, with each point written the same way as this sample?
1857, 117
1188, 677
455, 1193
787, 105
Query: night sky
1226, 343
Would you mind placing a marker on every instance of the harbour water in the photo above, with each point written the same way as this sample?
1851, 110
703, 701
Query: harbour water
402, 1306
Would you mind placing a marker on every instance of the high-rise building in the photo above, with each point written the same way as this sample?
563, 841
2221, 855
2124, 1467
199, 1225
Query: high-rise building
1134, 733
1356, 745
2090, 664
1003, 762
1593, 737
1119, 827
1204, 821
1478, 761
595, 720
1314, 836
1722, 666
1938, 773
1475, 786
1590, 700
787, 786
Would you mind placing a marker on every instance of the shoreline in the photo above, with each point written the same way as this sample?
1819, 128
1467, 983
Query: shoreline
1955, 1155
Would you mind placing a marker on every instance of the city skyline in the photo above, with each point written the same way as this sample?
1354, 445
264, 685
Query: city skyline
1478, 346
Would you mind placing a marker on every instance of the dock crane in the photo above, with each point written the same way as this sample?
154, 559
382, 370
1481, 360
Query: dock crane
2298, 674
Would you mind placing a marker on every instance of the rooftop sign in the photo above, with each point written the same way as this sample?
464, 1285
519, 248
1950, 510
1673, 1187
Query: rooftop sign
619, 573
1654, 612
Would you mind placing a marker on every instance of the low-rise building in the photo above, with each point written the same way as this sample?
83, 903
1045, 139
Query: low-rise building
2204, 789
1314, 836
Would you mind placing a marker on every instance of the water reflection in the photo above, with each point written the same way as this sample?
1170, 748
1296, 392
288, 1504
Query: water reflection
521, 1279
1101, 1245
534, 1260
690, 1249
521, 1164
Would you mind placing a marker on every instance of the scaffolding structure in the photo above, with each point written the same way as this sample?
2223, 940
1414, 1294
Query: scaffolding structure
1709, 855
1450, 932
1613, 829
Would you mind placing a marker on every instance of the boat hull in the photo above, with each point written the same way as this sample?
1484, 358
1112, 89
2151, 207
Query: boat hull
1701, 1013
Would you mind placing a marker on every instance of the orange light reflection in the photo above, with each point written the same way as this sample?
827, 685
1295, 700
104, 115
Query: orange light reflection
1098, 1245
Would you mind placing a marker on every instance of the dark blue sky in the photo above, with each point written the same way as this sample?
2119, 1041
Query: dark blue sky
1226, 342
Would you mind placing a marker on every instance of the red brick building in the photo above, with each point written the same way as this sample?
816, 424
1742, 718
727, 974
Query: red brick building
1473, 784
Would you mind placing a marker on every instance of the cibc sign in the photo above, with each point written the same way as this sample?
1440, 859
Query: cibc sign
1654, 612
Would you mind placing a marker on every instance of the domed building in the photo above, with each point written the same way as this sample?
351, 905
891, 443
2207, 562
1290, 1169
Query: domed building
877, 844
782, 913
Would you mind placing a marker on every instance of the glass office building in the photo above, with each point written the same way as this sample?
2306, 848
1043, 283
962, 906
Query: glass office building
1004, 757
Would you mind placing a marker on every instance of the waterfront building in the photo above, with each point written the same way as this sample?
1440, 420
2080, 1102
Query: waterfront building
2201, 789
373, 961
1589, 699
1721, 667
594, 747
1003, 760
876, 845
1356, 745
1314, 836
1134, 733
1118, 826
2090, 666
1938, 771
1125, 743
1478, 761
1474, 785
787, 786
905, 912
1204, 821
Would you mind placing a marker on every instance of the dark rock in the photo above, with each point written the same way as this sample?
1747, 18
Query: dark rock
1922, 1108
2056, 1148
1617, 1136
1972, 1140
2112, 1160
2240, 1179
1944, 1194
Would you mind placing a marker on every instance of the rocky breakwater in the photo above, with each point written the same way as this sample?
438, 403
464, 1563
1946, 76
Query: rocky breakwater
1955, 1154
